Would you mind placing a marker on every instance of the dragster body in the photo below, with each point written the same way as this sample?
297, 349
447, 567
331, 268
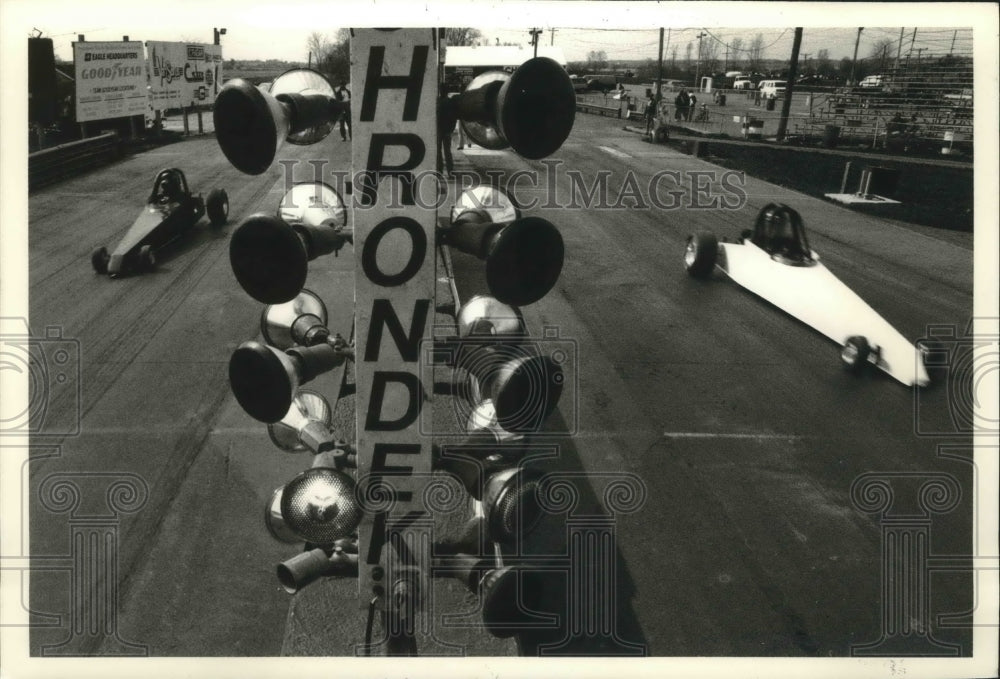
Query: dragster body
774, 262
170, 211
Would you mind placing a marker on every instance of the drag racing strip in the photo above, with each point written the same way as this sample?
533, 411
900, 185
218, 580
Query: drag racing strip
732, 436
739, 420
615, 152
153, 354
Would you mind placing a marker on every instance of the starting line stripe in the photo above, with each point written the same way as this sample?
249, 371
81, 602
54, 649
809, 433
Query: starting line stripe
737, 436
614, 152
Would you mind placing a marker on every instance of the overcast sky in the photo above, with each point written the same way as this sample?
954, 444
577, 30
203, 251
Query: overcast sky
278, 30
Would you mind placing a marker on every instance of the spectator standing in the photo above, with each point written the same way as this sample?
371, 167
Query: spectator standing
680, 105
911, 132
692, 102
447, 119
343, 95
650, 112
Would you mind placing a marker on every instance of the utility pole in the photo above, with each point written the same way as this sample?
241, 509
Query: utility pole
854, 59
552, 37
659, 68
899, 48
786, 104
697, 68
535, 32
952, 49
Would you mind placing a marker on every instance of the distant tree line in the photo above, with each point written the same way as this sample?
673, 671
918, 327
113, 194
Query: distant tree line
711, 57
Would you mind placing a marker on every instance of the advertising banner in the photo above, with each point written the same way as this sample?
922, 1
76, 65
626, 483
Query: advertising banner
183, 74
110, 80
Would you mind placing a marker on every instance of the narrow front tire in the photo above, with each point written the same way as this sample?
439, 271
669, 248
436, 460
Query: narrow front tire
854, 354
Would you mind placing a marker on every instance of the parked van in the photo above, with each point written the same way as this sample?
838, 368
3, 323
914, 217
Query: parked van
871, 81
772, 88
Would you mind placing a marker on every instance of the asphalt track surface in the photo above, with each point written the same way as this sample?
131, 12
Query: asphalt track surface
737, 429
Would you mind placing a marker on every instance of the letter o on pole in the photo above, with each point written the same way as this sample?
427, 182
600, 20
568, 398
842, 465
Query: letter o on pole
418, 251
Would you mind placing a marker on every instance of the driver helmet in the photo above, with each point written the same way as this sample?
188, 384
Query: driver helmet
170, 186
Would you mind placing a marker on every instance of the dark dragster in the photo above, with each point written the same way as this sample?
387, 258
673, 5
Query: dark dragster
171, 210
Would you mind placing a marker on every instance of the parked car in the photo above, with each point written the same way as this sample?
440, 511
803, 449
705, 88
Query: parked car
772, 88
673, 85
601, 83
743, 84
579, 84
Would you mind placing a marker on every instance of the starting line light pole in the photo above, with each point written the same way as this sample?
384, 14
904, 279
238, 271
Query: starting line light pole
394, 74
359, 509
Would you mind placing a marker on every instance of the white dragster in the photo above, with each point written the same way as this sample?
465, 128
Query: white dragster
775, 262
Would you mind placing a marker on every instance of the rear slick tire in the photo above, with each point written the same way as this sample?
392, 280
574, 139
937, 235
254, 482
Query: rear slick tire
147, 260
99, 259
217, 207
700, 254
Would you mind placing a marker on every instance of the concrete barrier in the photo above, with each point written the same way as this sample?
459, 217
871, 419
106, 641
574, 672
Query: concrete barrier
612, 111
50, 165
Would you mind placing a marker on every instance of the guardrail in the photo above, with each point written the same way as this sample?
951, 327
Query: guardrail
613, 111
56, 163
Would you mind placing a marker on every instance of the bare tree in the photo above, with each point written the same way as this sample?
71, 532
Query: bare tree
462, 36
318, 46
709, 55
597, 60
339, 62
755, 52
331, 57
736, 52
883, 49
824, 66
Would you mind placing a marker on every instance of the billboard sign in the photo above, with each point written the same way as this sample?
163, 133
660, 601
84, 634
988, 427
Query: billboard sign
110, 80
183, 74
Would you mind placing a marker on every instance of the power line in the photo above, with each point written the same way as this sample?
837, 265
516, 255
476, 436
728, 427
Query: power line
746, 49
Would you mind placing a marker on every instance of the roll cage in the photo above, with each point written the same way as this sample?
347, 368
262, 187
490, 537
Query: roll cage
779, 231
170, 185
